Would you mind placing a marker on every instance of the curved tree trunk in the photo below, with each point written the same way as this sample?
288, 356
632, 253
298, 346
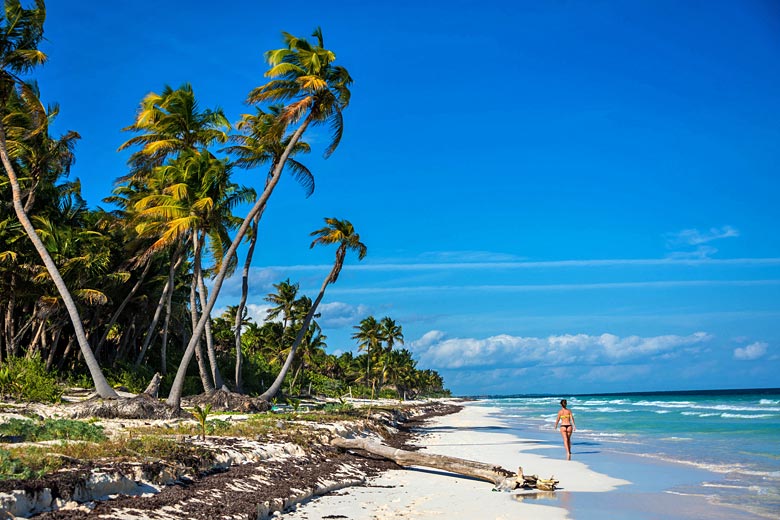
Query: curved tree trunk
205, 376
166, 328
203, 371
212, 353
277, 384
241, 304
10, 342
54, 343
176, 261
102, 387
122, 306
174, 399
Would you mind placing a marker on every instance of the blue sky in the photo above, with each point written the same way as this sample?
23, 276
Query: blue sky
556, 197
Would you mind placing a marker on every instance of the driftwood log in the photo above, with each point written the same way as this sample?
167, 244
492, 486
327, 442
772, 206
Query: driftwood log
503, 479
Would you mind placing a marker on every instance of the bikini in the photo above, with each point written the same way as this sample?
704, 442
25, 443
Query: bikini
566, 425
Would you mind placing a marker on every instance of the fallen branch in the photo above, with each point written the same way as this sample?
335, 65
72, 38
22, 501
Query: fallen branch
503, 479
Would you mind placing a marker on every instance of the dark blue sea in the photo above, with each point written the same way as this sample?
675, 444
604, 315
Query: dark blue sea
734, 434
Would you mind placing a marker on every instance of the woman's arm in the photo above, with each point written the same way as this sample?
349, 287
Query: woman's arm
557, 419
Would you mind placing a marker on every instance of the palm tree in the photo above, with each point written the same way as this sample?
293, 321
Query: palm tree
318, 92
391, 332
171, 123
398, 369
20, 34
369, 334
339, 232
261, 142
283, 301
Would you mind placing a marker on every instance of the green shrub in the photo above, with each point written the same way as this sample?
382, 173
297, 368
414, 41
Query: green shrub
388, 393
12, 468
134, 379
324, 385
51, 429
27, 379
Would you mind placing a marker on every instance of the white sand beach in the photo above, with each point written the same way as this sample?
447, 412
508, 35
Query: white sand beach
476, 434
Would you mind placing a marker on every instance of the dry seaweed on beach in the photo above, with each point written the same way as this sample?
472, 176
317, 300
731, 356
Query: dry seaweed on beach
303, 468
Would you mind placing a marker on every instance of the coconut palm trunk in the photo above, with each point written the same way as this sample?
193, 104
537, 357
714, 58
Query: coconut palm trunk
219, 383
102, 387
203, 370
242, 304
166, 329
277, 384
174, 398
166, 292
122, 306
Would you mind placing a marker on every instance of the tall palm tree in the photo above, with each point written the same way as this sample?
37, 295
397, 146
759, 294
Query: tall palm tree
261, 142
20, 34
170, 123
391, 332
369, 336
339, 232
283, 301
317, 92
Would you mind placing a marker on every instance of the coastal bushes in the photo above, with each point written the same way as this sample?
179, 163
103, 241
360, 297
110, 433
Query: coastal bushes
21, 430
27, 379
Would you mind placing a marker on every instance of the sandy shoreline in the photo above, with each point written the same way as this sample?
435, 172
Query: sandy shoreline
476, 434
589, 487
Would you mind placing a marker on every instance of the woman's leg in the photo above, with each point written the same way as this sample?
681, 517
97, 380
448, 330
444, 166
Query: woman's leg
565, 435
569, 431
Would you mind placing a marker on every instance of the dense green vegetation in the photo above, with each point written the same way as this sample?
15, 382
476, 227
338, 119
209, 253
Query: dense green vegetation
108, 297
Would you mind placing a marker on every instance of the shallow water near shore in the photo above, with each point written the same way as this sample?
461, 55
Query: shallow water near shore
720, 447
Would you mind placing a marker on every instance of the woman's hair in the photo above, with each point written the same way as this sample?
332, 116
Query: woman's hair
563, 403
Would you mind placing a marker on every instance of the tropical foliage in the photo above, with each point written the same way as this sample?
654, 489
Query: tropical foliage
108, 297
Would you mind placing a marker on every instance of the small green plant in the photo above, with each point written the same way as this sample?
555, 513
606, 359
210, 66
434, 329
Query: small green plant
295, 404
218, 426
201, 414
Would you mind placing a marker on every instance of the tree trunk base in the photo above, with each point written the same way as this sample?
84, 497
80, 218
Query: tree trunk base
142, 406
224, 400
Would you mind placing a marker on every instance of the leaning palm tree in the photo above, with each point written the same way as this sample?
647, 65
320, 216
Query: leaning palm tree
339, 232
260, 142
318, 92
20, 33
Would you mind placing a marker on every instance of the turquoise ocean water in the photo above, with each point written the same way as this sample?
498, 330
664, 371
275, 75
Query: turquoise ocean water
733, 434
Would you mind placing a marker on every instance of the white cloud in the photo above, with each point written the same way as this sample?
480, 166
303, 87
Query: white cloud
549, 264
466, 256
340, 314
700, 253
258, 312
437, 351
694, 237
261, 280
751, 352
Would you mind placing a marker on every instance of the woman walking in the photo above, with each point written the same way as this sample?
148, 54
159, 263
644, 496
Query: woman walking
566, 419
